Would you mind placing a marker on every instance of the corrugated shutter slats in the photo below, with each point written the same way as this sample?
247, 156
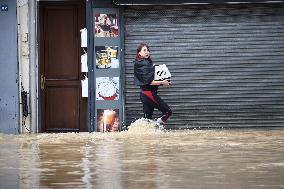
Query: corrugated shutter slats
227, 63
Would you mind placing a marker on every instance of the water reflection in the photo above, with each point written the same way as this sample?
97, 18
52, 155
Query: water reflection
138, 159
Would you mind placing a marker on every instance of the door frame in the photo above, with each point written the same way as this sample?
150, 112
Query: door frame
38, 127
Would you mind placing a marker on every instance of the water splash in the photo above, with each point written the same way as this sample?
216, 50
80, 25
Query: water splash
140, 129
143, 126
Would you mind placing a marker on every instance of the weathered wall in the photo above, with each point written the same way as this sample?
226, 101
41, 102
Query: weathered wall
23, 54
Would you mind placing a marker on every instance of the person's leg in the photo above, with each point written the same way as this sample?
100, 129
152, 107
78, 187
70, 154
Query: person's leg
150, 101
148, 106
148, 111
163, 107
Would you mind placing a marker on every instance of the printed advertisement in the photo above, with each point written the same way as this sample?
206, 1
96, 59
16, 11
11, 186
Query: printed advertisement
107, 88
106, 57
106, 25
107, 120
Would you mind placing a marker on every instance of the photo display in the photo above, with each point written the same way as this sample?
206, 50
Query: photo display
106, 25
108, 120
106, 57
108, 108
107, 88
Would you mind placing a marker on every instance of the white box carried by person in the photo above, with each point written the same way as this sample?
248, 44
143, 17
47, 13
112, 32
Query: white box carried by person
162, 72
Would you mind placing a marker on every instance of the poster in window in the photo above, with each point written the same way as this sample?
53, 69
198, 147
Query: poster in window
106, 57
107, 120
106, 25
107, 88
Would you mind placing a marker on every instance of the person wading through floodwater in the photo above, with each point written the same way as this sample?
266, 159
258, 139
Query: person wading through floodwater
144, 71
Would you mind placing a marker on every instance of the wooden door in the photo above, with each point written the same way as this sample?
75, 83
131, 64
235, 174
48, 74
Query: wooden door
62, 107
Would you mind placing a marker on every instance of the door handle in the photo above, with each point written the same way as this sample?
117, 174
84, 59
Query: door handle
42, 82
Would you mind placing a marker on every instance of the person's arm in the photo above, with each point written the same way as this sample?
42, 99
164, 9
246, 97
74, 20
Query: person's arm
163, 82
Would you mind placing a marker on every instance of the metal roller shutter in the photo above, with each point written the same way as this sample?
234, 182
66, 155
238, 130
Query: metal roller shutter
227, 62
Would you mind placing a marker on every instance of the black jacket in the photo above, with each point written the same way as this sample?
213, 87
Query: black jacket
144, 71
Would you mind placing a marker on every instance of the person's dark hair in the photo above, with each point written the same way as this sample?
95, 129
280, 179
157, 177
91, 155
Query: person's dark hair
140, 46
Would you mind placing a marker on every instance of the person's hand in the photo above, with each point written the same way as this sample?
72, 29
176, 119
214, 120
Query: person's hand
166, 82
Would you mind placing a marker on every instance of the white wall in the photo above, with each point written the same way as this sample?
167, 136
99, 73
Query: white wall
23, 55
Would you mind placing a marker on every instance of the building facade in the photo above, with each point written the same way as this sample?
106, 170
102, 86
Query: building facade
226, 60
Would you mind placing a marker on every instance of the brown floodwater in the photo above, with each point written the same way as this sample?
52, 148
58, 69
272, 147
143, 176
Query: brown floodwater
144, 157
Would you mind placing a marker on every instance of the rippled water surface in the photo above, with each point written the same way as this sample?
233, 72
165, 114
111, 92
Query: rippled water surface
144, 158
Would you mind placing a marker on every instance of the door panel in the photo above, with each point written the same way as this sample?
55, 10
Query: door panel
62, 44
62, 107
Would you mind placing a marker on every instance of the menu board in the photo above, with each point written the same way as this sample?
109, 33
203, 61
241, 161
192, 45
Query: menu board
107, 70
